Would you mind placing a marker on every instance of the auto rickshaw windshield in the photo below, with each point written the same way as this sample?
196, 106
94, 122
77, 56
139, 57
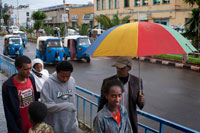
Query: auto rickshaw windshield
15, 40
54, 44
83, 41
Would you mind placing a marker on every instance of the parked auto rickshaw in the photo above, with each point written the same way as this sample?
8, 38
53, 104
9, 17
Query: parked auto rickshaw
50, 49
23, 36
75, 47
13, 45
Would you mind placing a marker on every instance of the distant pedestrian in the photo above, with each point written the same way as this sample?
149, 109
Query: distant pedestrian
58, 94
37, 112
113, 118
18, 92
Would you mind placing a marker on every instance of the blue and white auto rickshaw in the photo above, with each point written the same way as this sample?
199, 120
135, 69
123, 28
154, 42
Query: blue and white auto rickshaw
50, 49
23, 36
75, 47
13, 45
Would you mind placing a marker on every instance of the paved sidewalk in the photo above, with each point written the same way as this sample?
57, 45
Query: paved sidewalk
3, 128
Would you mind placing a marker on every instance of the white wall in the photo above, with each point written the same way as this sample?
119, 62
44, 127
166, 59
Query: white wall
22, 13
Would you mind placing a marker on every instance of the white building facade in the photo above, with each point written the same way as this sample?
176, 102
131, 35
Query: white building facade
22, 17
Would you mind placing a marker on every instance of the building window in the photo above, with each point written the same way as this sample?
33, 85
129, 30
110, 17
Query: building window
116, 3
103, 4
27, 13
144, 2
98, 5
162, 21
166, 1
74, 24
137, 2
126, 3
156, 2
110, 4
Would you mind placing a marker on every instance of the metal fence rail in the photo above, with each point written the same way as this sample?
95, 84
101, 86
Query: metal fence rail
7, 66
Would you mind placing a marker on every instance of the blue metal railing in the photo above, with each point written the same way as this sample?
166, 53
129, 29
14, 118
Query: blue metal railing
7, 65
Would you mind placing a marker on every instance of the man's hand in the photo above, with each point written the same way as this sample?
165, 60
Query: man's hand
141, 99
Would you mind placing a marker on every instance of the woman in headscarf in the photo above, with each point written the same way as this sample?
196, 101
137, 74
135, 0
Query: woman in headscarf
40, 74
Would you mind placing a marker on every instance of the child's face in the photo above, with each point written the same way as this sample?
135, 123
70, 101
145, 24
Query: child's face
38, 67
114, 96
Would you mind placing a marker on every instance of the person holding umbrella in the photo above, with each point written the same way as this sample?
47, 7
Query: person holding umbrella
132, 95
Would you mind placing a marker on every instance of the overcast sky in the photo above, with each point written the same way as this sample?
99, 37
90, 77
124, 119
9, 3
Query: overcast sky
35, 4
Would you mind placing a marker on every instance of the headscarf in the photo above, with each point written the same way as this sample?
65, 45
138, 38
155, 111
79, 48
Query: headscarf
39, 74
40, 77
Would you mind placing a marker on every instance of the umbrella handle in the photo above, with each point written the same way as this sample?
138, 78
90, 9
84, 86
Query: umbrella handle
140, 92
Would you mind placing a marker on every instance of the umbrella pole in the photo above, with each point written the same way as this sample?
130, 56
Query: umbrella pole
140, 88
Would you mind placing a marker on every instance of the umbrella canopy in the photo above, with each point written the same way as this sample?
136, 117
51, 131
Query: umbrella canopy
140, 39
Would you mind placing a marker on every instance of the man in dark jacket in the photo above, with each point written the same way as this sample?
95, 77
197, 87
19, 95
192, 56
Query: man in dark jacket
132, 96
18, 92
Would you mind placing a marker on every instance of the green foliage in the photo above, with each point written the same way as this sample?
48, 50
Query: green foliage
30, 30
62, 30
107, 23
192, 27
38, 24
192, 2
195, 40
31, 37
6, 18
48, 30
38, 15
83, 29
190, 59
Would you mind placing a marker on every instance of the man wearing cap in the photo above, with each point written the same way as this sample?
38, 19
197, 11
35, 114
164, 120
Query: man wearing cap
132, 95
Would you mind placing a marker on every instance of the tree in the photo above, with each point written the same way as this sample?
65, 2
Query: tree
6, 18
107, 23
192, 27
82, 29
62, 30
38, 17
197, 2
48, 30
30, 31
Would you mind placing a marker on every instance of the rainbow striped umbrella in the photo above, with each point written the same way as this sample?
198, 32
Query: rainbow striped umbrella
140, 39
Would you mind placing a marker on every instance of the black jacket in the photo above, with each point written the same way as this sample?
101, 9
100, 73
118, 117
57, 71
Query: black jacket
11, 104
133, 93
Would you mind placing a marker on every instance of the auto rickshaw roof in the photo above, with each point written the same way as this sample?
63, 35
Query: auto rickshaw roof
75, 37
44, 38
18, 32
8, 36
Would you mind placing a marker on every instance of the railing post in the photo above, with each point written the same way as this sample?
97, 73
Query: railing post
77, 105
84, 110
91, 114
161, 127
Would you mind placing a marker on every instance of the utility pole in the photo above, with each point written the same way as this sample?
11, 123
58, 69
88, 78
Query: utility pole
64, 7
17, 14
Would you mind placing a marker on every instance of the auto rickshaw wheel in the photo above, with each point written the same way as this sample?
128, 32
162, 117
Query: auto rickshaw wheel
87, 59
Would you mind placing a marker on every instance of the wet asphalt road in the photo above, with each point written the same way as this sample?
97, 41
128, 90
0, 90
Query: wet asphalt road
170, 93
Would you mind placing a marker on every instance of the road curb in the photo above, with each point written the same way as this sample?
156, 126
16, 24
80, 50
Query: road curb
171, 63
